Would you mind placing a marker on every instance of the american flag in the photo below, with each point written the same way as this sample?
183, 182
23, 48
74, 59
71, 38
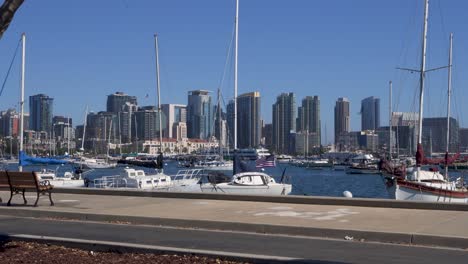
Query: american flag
263, 162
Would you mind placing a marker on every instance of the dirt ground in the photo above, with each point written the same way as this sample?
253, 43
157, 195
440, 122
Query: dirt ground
27, 252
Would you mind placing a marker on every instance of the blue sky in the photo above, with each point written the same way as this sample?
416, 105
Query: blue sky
80, 51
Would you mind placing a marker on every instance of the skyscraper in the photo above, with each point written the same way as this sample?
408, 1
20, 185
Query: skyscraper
370, 113
200, 115
308, 119
147, 123
284, 121
434, 134
249, 120
41, 112
117, 101
342, 120
174, 114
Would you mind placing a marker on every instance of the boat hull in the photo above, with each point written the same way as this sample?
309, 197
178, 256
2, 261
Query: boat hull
410, 191
228, 188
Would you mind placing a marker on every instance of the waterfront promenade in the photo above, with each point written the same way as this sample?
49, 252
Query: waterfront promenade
356, 220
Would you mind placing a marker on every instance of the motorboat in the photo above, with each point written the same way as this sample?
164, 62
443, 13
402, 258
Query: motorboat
133, 178
68, 180
248, 183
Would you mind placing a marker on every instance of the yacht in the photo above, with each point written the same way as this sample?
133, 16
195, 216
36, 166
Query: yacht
132, 178
68, 180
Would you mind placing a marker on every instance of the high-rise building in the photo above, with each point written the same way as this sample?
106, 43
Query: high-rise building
41, 112
463, 138
124, 106
147, 123
308, 118
117, 101
248, 120
435, 134
174, 114
342, 119
370, 113
284, 121
200, 116
99, 128
9, 123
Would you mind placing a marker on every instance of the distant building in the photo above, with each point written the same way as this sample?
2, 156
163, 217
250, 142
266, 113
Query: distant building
463, 138
370, 113
248, 120
124, 106
99, 128
9, 123
435, 134
117, 101
284, 121
174, 114
200, 114
308, 118
147, 123
267, 133
342, 119
41, 112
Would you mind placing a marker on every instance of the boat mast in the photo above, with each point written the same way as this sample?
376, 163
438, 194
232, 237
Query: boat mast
84, 129
68, 135
220, 126
236, 42
23, 60
390, 123
449, 93
158, 91
419, 156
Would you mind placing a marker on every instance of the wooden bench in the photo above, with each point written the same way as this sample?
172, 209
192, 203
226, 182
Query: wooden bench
4, 182
21, 181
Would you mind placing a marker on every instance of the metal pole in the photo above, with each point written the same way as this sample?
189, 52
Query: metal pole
23, 62
390, 123
236, 21
449, 93
421, 82
158, 91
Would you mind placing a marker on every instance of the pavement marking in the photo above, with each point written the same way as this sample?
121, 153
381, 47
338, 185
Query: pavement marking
152, 247
319, 216
68, 201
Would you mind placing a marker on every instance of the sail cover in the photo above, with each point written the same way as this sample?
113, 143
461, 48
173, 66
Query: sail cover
24, 160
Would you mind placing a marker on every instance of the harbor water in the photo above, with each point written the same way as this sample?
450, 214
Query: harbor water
305, 181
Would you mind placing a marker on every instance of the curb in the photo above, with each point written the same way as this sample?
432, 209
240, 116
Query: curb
361, 202
109, 246
356, 235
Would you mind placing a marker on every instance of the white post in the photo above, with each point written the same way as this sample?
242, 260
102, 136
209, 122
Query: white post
23, 62
449, 93
421, 81
236, 21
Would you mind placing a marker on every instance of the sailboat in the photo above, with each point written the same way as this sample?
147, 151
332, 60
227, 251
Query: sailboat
69, 179
428, 184
250, 182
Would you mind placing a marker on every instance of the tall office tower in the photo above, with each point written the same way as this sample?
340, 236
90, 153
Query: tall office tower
370, 113
41, 112
63, 127
124, 106
284, 121
220, 126
147, 123
308, 119
200, 116
249, 123
117, 101
342, 120
435, 134
174, 114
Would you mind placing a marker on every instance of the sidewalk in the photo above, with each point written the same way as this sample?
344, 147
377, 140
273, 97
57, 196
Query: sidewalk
412, 226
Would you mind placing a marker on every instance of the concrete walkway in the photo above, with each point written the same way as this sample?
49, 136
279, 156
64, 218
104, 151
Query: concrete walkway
412, 226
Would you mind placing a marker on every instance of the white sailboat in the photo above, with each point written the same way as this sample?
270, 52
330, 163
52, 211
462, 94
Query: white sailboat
421, 184
68, 180
250, 183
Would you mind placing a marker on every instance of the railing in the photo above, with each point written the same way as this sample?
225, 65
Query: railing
110, 182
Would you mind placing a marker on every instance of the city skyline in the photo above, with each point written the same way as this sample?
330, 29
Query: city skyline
364, 52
